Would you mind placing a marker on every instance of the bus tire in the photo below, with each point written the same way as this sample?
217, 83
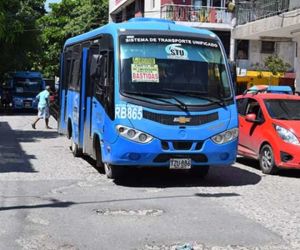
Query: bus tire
75, 148
200, 171
112, 171
99, 164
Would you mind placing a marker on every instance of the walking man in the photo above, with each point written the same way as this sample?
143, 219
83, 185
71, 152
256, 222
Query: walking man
43, 107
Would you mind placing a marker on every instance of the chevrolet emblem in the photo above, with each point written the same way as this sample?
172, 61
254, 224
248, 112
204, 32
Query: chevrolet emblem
182, 119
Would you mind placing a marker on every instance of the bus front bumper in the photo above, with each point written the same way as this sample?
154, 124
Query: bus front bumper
159, 153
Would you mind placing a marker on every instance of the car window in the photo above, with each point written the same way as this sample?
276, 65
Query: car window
283, 109
253, 107
241, 105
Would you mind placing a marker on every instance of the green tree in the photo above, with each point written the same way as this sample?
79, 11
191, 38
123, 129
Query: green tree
275, 64
67, 19
19, 36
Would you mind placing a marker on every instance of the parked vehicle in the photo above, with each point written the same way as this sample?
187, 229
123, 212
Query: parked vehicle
20, 90
5, 95
269, 128
148, 92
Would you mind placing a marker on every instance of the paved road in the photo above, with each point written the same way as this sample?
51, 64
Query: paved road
50, 200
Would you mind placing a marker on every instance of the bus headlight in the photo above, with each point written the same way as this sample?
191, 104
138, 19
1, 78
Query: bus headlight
226, 136
134, 134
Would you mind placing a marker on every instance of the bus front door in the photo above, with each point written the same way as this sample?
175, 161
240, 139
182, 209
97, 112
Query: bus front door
87, 98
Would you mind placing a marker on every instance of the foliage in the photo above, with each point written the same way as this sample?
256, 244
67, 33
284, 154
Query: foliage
31, 39
19, 37
275, 64
67, 19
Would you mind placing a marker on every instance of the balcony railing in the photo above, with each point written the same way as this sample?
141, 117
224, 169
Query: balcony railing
255, 10
190, 13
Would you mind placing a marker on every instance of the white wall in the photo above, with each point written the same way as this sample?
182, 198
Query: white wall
150, 11
285, 50
297, 63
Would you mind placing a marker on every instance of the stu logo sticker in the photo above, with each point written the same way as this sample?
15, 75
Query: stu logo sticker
176, 51
132, 112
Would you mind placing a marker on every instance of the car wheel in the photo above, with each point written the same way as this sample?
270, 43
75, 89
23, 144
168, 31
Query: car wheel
266, 160
200, 171
111, 171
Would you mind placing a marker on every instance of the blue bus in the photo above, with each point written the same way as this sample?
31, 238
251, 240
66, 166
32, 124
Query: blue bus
148, 92
20, 89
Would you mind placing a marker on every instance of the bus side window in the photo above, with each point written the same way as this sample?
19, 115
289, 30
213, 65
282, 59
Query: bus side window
96, 74
75, 69
101, 73
67, 68
110, 85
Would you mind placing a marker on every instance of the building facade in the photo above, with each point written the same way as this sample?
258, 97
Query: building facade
268, 27
210, 14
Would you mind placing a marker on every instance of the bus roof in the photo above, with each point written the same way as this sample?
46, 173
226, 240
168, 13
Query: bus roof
140, 23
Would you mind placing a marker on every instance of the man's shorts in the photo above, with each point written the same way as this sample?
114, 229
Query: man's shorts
43, 113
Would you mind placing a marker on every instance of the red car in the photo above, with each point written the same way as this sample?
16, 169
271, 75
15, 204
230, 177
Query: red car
270, 129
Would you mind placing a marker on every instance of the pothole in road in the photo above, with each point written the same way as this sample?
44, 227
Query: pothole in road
175, 247
129, 212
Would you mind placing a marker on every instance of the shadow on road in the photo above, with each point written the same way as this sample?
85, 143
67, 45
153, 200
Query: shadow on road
248, 162
11, 112
252, 163
34, 135
54, 203
163, 178
12, 156
290, 173
48, 205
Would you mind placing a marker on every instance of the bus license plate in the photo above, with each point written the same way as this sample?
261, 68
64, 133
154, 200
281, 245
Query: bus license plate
27, 104
180, 163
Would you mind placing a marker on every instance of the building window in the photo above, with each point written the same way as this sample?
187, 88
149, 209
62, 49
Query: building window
267, 47
243, 49
199, 3
152, 4
217, 3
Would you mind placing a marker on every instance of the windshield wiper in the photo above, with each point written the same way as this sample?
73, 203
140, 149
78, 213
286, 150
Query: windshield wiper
159, 96
198, 94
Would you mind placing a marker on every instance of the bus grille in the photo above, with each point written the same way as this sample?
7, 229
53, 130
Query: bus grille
181, 145
192, 120
166, 157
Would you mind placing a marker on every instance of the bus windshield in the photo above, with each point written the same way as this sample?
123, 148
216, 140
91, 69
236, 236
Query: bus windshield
27, 85
191, 69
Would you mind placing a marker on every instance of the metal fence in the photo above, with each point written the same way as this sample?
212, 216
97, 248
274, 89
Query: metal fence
258, 9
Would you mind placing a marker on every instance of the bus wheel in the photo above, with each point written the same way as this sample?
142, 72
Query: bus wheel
266, 160
99, 163
111, 171
74, 148
200, 171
